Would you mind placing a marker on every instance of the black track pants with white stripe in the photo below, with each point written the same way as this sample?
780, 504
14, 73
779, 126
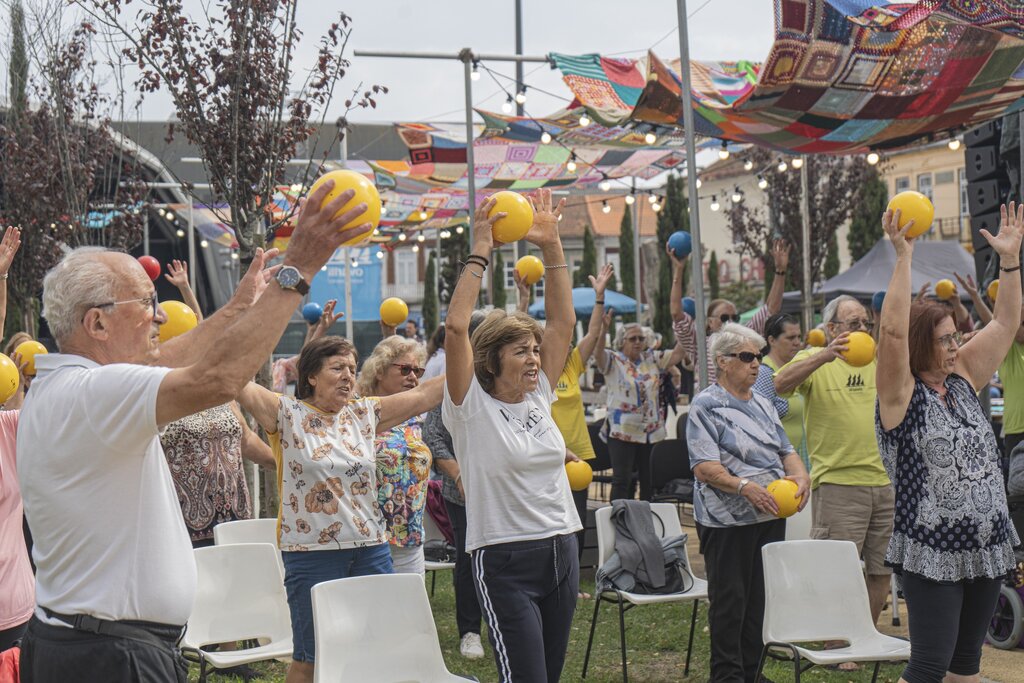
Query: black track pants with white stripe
527, 592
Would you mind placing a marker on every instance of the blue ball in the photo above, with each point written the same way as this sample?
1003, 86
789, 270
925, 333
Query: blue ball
680, 243
690, 306
877, 299
312, 312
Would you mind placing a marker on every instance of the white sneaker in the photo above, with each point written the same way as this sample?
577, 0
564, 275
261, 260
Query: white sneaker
471, 647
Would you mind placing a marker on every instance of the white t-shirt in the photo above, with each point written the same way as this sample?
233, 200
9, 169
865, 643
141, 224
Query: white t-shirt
434, 366
109, 536
512, 457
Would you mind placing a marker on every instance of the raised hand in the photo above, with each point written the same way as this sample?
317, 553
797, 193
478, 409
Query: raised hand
544, 230
9, 247
898, 237
606, 319
318, 231
780, 254
327, 319
968, 284
483, 224
258, 276
1011, 229
524, 289
677, 263
600, 283
177, 273
923, 292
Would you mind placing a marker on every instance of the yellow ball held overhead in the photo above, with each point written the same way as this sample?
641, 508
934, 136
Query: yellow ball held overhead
531, 269
860, 349
816, 337
784, 493
993, 290
28, 350
365, 193
516, 224
9, 378
913, 206
945, 290
580, 474
393, 311
180, 319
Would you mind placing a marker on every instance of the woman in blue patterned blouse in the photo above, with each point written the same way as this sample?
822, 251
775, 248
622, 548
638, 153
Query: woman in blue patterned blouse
952, 538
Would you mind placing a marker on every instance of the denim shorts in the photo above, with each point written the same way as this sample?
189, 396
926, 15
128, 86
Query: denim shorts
303, 570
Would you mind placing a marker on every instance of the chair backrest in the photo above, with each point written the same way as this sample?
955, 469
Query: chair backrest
246, 531
666, 523
239, 596
602, 461
814, 590
798, 527
670, 459
359, 621
681, 425
431, 531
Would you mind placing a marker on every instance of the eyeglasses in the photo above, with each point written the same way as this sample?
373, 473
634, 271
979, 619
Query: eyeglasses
725, 318
151, 301
405, 369
745, 356
951, 341
856, 324
636, 340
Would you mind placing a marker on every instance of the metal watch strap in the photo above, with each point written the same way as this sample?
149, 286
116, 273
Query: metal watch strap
743, 482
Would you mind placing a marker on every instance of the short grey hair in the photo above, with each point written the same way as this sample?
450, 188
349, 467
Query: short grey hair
79, 281
731, 338
620, 335
828, 315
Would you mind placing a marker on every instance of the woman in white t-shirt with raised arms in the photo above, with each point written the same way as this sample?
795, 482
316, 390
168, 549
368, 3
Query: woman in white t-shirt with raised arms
497, 406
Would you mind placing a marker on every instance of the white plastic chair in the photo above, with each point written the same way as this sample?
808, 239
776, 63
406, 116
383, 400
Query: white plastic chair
263, 530
814, 591
666, 523
358, 621
432, 532
798, 527
239, 596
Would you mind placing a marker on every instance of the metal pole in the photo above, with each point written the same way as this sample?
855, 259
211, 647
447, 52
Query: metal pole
191, 243
696, 257
807, 304
520, 110
449, 55
145, 233
348, 252
467, 68
637, 280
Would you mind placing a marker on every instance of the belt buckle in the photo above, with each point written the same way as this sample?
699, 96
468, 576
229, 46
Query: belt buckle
87, 622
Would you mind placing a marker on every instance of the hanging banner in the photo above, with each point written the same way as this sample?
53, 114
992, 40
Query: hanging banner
366, 279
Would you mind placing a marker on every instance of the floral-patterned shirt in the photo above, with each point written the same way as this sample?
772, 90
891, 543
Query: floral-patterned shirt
326, 468
633, 413
403, 469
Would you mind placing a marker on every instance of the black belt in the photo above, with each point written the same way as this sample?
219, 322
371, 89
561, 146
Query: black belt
141, 631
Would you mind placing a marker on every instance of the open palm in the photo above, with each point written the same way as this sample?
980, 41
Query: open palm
1011, 228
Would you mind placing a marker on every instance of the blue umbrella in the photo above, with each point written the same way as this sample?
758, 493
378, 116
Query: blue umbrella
583, 302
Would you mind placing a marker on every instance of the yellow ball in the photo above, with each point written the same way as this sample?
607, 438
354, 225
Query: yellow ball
945, 289
28, 350
180, 319
393, 311
993, 290
913, 206
531, 269
365, 192
860, 349
580, 475
816, 337
9, 378
516, 224
784, 493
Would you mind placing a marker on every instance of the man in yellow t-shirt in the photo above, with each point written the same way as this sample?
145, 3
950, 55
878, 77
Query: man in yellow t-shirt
853, 498
567, 410
1011, 375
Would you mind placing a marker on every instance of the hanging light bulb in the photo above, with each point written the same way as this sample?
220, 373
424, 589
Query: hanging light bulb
421, 237
402, 237
380, 254
571, 166
234, 256
521, 96
323, 268
782, 166
458, 230
204, 244
630, 199
699, 183
954, 144
506, 106
423, 215
415, 248
652, 198
445, 234
475, 74
723, 153
798, 162
650, 138
656, 207
545, 137
873, 158
179, 233
584, 121
355, 263
748, 165
604, 207
737, 195
376, 231
715, 206
605, 185
761, 182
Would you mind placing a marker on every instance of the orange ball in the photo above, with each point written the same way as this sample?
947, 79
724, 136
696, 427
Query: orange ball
784, 493
945, 290
860, 349
816, 337
365, 192
580, 474
913, 206
531, 269
28, 350
393, 311
993, 290
517, 223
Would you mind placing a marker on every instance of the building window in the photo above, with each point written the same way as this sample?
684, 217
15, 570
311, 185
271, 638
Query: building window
962, 178
924, 184
902, 184
510, 281
944, 178
405, 267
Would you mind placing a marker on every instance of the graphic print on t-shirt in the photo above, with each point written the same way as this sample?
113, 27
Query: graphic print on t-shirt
535, 424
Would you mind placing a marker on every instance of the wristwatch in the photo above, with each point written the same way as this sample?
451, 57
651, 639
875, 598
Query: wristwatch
743, 482
289, 277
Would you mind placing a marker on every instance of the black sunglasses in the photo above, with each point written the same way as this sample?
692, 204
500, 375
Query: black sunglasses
725, 318
406, 369
745, 356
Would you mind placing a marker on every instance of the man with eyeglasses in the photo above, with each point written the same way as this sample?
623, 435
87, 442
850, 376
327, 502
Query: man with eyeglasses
116, 576
853, 498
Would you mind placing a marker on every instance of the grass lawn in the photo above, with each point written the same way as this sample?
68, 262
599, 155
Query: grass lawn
656, 641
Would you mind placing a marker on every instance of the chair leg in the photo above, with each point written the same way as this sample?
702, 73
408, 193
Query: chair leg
689, 646
796, 666
622, 640
433, 582
593, 625
874, 676
895, 601
761, 663
202, 669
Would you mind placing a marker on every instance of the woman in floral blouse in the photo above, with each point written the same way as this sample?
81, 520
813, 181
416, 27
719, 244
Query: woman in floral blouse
403, 459
632, 374
329, 525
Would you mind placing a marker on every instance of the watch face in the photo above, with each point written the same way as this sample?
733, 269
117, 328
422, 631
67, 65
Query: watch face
288, 277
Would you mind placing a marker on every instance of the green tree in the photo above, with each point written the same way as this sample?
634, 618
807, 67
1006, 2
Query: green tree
713, 275
430, 312
673, 216
865, 226
453, 249
588, 266
17, 69
832, 258
627, 263
498, 294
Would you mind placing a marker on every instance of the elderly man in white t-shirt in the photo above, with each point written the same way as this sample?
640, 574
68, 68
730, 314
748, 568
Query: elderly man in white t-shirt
115, 573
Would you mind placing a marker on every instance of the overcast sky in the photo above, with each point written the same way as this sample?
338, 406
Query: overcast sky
432, 90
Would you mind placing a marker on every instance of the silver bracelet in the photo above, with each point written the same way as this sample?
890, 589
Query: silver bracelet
479, 276
4, 276
561, 265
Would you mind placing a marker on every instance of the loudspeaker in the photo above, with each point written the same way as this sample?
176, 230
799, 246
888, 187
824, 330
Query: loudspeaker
988, 221
985, 266
985, 196
986, 133
981, 163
